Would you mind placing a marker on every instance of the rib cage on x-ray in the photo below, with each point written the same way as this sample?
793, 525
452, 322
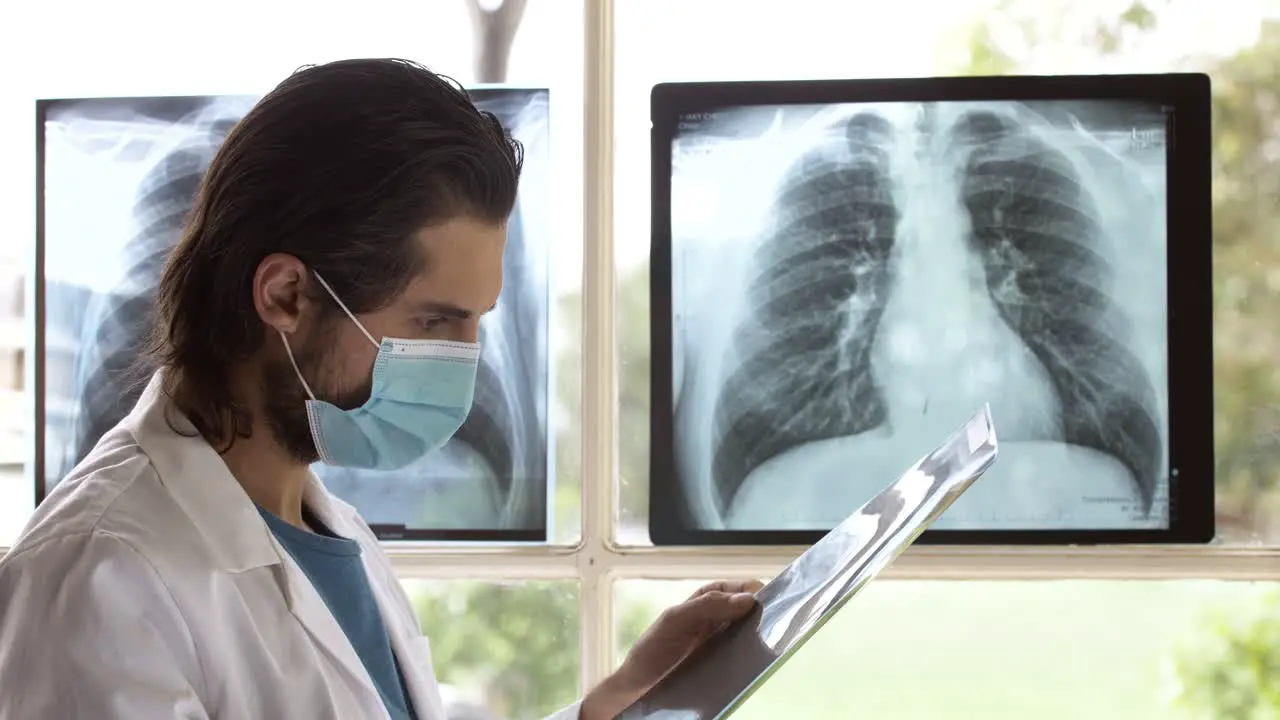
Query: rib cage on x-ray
1036, 228
817, 295
1031, 206
492, 476
117, 324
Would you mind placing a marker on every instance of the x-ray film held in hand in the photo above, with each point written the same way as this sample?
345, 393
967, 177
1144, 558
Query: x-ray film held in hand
721, 674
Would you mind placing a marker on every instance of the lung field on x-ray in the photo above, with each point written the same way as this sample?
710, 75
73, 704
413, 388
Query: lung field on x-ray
1036, 229
912, 262
816, 292
492, 476
118, 322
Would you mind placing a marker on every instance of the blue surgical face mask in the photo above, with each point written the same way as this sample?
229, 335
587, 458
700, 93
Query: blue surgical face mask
421, 393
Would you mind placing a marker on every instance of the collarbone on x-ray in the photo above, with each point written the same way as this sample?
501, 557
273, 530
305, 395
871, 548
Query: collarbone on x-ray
879, 270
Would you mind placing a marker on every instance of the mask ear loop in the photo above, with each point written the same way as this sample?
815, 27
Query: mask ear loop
343, 305
289, 351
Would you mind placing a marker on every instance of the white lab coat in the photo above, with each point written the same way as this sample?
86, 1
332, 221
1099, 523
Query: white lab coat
148, 587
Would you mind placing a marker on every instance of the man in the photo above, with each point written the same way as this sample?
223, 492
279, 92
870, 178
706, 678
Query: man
323, 304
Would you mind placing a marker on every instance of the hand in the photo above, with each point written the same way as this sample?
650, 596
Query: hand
676, 633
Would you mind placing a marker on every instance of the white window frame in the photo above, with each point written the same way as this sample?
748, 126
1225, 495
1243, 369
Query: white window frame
597, 561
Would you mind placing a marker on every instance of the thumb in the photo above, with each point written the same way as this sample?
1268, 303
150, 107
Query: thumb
716, 607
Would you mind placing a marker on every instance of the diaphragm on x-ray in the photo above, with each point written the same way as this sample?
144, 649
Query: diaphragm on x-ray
849, 281
119, 178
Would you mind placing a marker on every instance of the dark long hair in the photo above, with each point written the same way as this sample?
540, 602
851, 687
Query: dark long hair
339, 166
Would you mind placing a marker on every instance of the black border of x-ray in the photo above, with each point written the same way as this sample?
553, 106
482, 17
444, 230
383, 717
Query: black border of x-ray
395, 533
1190, 287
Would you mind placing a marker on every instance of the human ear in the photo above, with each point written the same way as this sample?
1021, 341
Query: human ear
279, 292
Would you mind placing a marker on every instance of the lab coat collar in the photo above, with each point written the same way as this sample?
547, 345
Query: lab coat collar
314, 614
199, 481
311, 611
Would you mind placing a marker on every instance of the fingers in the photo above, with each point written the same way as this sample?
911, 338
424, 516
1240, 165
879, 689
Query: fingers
716, 603
729, 586
714, 607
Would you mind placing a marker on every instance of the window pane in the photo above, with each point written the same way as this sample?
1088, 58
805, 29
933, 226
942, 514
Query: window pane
113, 55
502, 651
1238, 43
1051, 650
548, 53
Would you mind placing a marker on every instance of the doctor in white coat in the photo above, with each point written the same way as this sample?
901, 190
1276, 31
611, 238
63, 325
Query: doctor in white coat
322, 304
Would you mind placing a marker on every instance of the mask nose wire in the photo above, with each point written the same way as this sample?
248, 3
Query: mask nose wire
342, 305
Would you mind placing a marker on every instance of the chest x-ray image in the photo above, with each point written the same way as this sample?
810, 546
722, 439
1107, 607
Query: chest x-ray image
720, 675
118, 178
850, 280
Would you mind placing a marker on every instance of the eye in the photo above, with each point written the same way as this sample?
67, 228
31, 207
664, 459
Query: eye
432, 322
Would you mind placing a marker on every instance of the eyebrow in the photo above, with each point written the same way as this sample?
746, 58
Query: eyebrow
447, 309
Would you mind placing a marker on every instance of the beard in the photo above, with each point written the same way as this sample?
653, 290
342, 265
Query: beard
285, 400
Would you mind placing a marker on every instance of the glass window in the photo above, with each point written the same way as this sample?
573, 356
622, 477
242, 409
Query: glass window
1237, 43
501, 651
548, 52
1052, 650
109, 53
